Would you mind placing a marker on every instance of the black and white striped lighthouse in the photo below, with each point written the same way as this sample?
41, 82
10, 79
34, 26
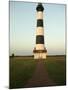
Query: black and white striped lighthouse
40, 50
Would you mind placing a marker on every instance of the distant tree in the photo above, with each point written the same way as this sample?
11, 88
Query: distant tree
12, 54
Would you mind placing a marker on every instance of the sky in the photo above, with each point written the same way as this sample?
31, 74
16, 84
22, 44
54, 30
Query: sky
23, 28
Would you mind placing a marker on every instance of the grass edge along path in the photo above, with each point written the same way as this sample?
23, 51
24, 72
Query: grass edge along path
20, 72
40, 77
56, 68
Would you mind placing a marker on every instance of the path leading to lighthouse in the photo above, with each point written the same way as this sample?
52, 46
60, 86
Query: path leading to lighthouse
40, 77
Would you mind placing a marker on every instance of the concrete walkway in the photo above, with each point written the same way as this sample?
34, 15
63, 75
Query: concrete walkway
40, 77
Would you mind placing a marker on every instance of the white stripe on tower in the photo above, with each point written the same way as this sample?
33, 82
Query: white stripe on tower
39, 15
39, 46
39, 31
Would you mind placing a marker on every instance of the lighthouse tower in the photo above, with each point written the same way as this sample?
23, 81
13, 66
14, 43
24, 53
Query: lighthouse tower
39, 50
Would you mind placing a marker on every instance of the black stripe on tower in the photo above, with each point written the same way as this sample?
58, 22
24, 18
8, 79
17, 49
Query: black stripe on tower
39, 39
40, 22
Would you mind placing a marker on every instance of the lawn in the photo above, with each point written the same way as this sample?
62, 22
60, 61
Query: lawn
21, 69
56, 67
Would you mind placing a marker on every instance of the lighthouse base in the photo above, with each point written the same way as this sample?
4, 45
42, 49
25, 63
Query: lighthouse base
39, 55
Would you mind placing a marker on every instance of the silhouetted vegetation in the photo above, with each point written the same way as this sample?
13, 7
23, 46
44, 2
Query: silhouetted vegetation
13, 55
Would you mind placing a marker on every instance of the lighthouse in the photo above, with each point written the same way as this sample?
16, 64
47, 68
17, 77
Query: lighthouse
39, 50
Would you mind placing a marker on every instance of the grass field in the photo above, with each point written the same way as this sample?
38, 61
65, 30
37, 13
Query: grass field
56, 67
22, 69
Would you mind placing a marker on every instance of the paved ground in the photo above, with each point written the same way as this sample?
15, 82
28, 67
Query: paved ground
40, 77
